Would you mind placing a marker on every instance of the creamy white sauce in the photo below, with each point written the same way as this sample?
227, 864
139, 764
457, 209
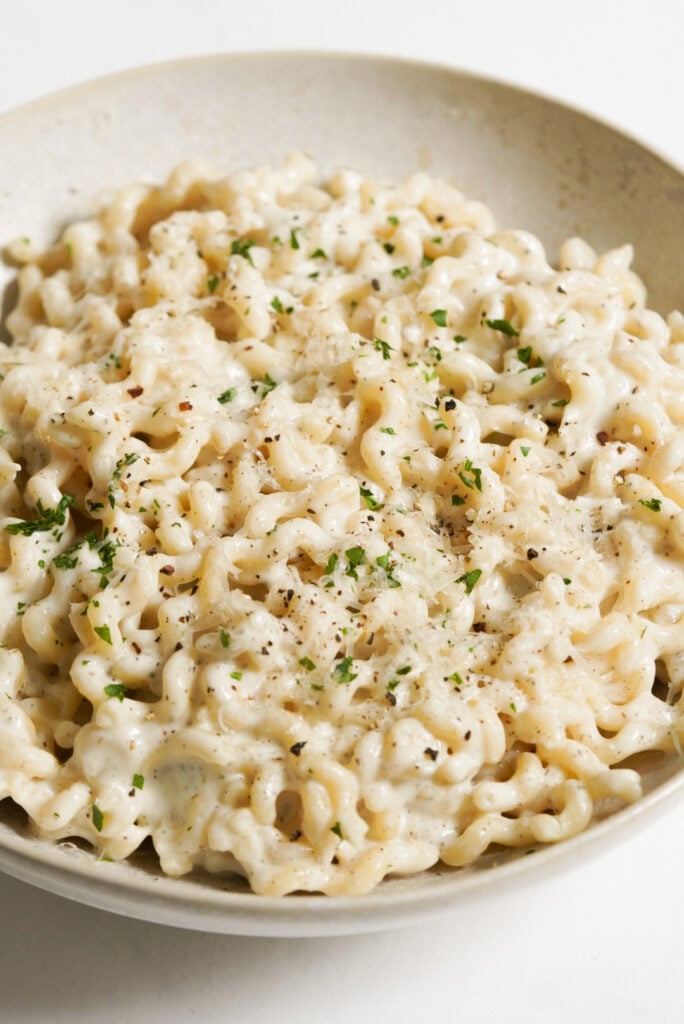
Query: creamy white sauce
357, 535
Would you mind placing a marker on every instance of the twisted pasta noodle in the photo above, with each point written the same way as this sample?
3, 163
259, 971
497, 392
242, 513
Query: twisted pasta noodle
341, 534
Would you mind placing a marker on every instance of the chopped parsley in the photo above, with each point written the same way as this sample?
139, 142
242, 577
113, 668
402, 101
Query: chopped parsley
456, 499
439, 316
387, 430
224, 637
212, 283
355, 557
525, 451
47, 518
470, 579
560, 403
138, 781
459, 338
227, 396
525, 354
104, 634
319, 254
372, 503
98, 817
126, 460
117, 690
307, 663
337, 829
268, 385
401, 272
393, 220
389, 248
331, 563
537, 377
385, 562
655, 504
505, 326
68, 559
276, 304
294, 241
383, 346
241, 247
342, 671
471, 476
456, 678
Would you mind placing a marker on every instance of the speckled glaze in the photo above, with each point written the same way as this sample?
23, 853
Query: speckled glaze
539, 165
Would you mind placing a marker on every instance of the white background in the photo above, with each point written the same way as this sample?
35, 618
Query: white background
603, 941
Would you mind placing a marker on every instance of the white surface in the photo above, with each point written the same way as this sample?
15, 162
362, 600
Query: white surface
598, 943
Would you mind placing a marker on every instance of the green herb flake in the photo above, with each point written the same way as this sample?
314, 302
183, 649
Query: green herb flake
372, 503
331, 564
212, 283
224, 637
456, 678
525, 451
98, 817
337, 829
387, 430
388, 247
117, 690
227, 396
655, 504
393, 220
138, 781
383, 346
241, 247
236, 675
439, 316
456, 499
525, 354
537, 377
401, 272
513, 707
68, 559
47, 518
294, 241
567, 581
459, 339
268, 385
104, 634
385, 562
471, 476
319, 254
342, 671
355, 557
426, 261
561, 403
307, 663
276, 304
505, 326
470, 579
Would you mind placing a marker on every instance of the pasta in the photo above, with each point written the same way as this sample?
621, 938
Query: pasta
341, 535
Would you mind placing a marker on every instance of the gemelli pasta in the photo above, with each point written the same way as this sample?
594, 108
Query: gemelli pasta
341, 534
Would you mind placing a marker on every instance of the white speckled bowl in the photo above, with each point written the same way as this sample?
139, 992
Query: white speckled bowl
538, 164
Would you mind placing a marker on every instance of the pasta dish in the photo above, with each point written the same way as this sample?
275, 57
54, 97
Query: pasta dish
341, 534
